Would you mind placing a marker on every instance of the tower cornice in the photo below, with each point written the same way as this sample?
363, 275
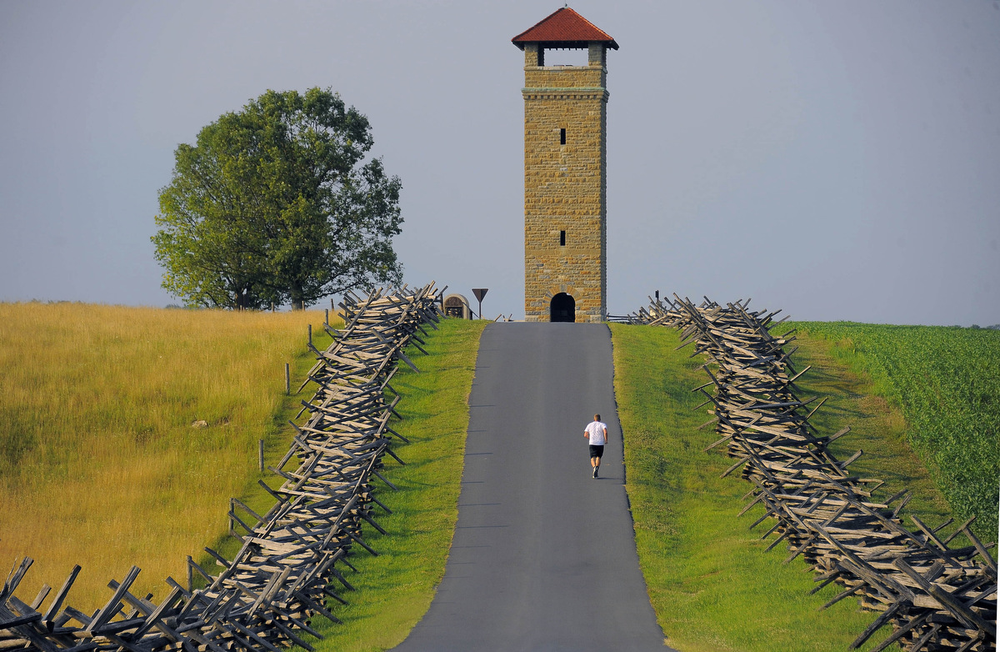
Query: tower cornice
563, 93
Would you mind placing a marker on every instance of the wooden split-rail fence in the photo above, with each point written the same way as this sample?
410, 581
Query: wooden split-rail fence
935, 597
291, 557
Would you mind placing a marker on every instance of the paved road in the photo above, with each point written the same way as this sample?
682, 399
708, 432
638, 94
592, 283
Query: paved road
543, 556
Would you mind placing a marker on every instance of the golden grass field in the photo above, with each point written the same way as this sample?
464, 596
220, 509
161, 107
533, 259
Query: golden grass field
99, 462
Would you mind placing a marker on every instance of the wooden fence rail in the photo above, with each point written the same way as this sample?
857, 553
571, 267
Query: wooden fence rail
266, 595
935, 597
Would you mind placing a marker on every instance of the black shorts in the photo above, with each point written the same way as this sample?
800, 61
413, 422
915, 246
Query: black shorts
596, 451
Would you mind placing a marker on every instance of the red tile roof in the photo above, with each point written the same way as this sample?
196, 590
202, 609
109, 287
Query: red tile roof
565, 27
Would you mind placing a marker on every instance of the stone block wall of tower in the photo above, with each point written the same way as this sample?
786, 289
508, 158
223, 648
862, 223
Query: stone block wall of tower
565, 231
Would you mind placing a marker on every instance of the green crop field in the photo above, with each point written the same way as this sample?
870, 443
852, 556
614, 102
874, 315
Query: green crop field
946, 381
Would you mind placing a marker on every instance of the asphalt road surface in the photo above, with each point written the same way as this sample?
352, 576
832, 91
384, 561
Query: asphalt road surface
543, 556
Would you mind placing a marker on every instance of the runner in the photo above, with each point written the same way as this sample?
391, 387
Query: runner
597, 431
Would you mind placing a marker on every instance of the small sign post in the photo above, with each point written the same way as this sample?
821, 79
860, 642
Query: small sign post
480, 293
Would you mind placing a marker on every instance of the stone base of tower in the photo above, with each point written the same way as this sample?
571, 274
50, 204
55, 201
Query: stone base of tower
587, 307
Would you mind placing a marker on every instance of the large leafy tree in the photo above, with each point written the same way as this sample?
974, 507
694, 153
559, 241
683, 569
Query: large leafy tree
276, 204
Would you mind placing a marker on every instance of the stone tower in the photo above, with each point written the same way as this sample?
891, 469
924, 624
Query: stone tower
565, 167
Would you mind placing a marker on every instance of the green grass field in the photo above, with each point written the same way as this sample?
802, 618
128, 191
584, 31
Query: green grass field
710, 581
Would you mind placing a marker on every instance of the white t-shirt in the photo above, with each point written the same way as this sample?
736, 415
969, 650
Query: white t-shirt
596, 431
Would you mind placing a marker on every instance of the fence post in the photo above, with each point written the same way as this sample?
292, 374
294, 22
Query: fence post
260, 454
190, 571
288, 381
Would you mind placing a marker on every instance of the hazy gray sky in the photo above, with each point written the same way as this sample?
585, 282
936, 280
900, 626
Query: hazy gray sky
839, 160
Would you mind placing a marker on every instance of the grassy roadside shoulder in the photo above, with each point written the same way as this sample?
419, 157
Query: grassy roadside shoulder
395, 589
709, 579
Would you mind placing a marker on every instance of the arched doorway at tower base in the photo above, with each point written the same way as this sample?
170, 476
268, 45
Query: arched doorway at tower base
562, 308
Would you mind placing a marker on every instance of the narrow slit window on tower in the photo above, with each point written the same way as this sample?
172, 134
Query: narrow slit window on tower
562, 136
562, 238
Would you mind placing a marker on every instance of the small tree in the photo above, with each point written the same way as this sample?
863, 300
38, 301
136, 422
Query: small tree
275, 204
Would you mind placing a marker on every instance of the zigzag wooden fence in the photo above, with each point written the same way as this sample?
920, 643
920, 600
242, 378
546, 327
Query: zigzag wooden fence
281, 577
935, 597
